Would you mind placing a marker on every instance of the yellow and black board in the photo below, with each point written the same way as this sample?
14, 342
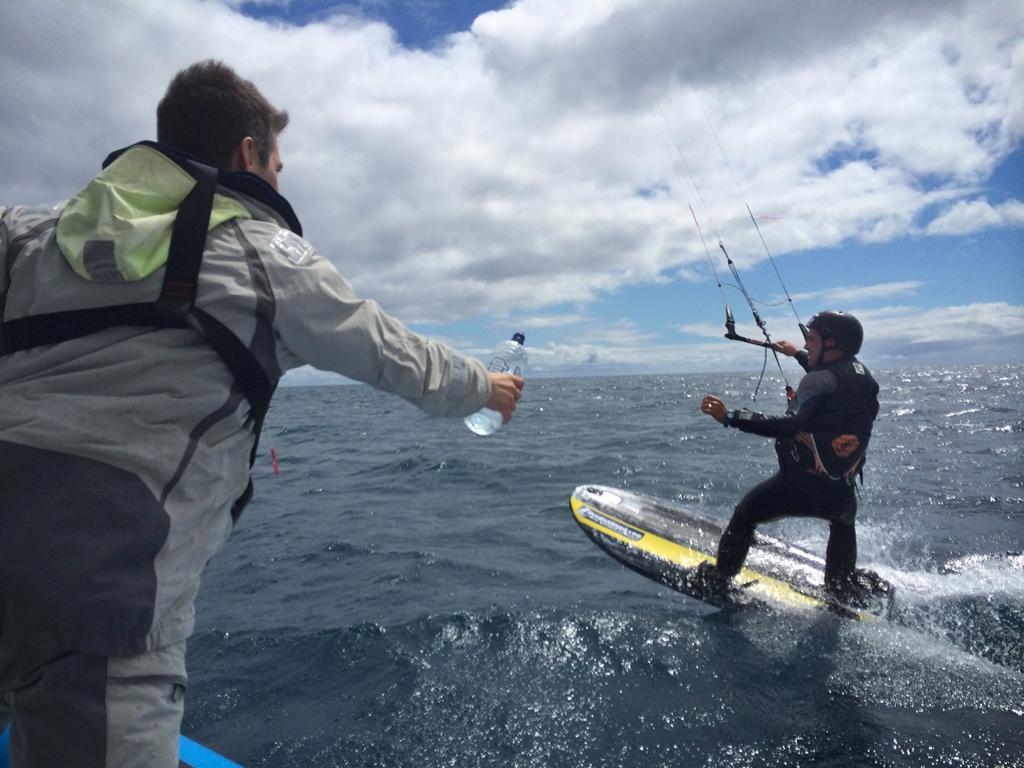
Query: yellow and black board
666, 542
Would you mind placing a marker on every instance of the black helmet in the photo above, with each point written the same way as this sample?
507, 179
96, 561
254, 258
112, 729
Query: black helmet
843, 327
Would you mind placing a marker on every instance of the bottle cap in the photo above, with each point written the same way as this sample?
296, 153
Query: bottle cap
517, 336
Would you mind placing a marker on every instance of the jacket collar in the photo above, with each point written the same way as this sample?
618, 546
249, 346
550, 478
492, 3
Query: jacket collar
247, 183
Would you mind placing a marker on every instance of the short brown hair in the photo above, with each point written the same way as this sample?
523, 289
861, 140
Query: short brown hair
208, 109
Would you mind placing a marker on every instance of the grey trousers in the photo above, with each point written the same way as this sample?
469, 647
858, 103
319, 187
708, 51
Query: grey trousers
93, 711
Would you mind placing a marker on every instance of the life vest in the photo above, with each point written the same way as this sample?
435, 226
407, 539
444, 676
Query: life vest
175, 306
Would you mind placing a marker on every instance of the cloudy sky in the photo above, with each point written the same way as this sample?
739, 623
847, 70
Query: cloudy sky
482, 167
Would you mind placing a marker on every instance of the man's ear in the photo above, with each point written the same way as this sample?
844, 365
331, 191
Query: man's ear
828, 343
245, 157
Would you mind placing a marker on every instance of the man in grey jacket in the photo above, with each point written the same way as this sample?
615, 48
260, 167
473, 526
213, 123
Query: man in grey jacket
145, 325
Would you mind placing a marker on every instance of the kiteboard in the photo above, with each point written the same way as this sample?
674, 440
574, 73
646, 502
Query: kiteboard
666, 542
191, 755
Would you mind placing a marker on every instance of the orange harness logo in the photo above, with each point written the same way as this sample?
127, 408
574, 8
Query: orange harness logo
845, 446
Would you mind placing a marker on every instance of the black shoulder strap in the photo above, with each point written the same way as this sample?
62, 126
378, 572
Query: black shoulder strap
174, 308
188, 241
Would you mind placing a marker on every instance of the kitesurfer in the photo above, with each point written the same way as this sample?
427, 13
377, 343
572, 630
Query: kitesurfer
146, 323
821, 444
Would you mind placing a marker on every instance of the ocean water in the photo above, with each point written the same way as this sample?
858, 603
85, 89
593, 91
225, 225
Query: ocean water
406, 593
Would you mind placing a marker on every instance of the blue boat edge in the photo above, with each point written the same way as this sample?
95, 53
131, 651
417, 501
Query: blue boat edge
190, 753
195, 755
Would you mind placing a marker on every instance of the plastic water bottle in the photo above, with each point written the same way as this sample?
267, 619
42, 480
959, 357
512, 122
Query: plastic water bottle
508, 357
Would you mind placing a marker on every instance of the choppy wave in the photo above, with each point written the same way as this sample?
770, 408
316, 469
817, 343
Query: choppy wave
407, 594
608, 688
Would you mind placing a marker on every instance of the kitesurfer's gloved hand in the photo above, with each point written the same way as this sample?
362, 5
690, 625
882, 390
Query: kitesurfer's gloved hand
506, 390
714, 408
788, 348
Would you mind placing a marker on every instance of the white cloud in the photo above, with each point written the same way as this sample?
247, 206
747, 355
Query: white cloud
535, 160
707, 330
549, 321
968, 322
894, 336
982, 333
308, 376
602, 359
968, 216
847, 295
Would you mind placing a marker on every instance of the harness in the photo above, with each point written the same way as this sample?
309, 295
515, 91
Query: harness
842, 446
835, 446
174, 308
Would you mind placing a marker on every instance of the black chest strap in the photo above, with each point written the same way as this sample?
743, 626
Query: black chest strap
175, 308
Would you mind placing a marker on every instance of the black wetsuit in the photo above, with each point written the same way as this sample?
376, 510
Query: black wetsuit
821, 444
